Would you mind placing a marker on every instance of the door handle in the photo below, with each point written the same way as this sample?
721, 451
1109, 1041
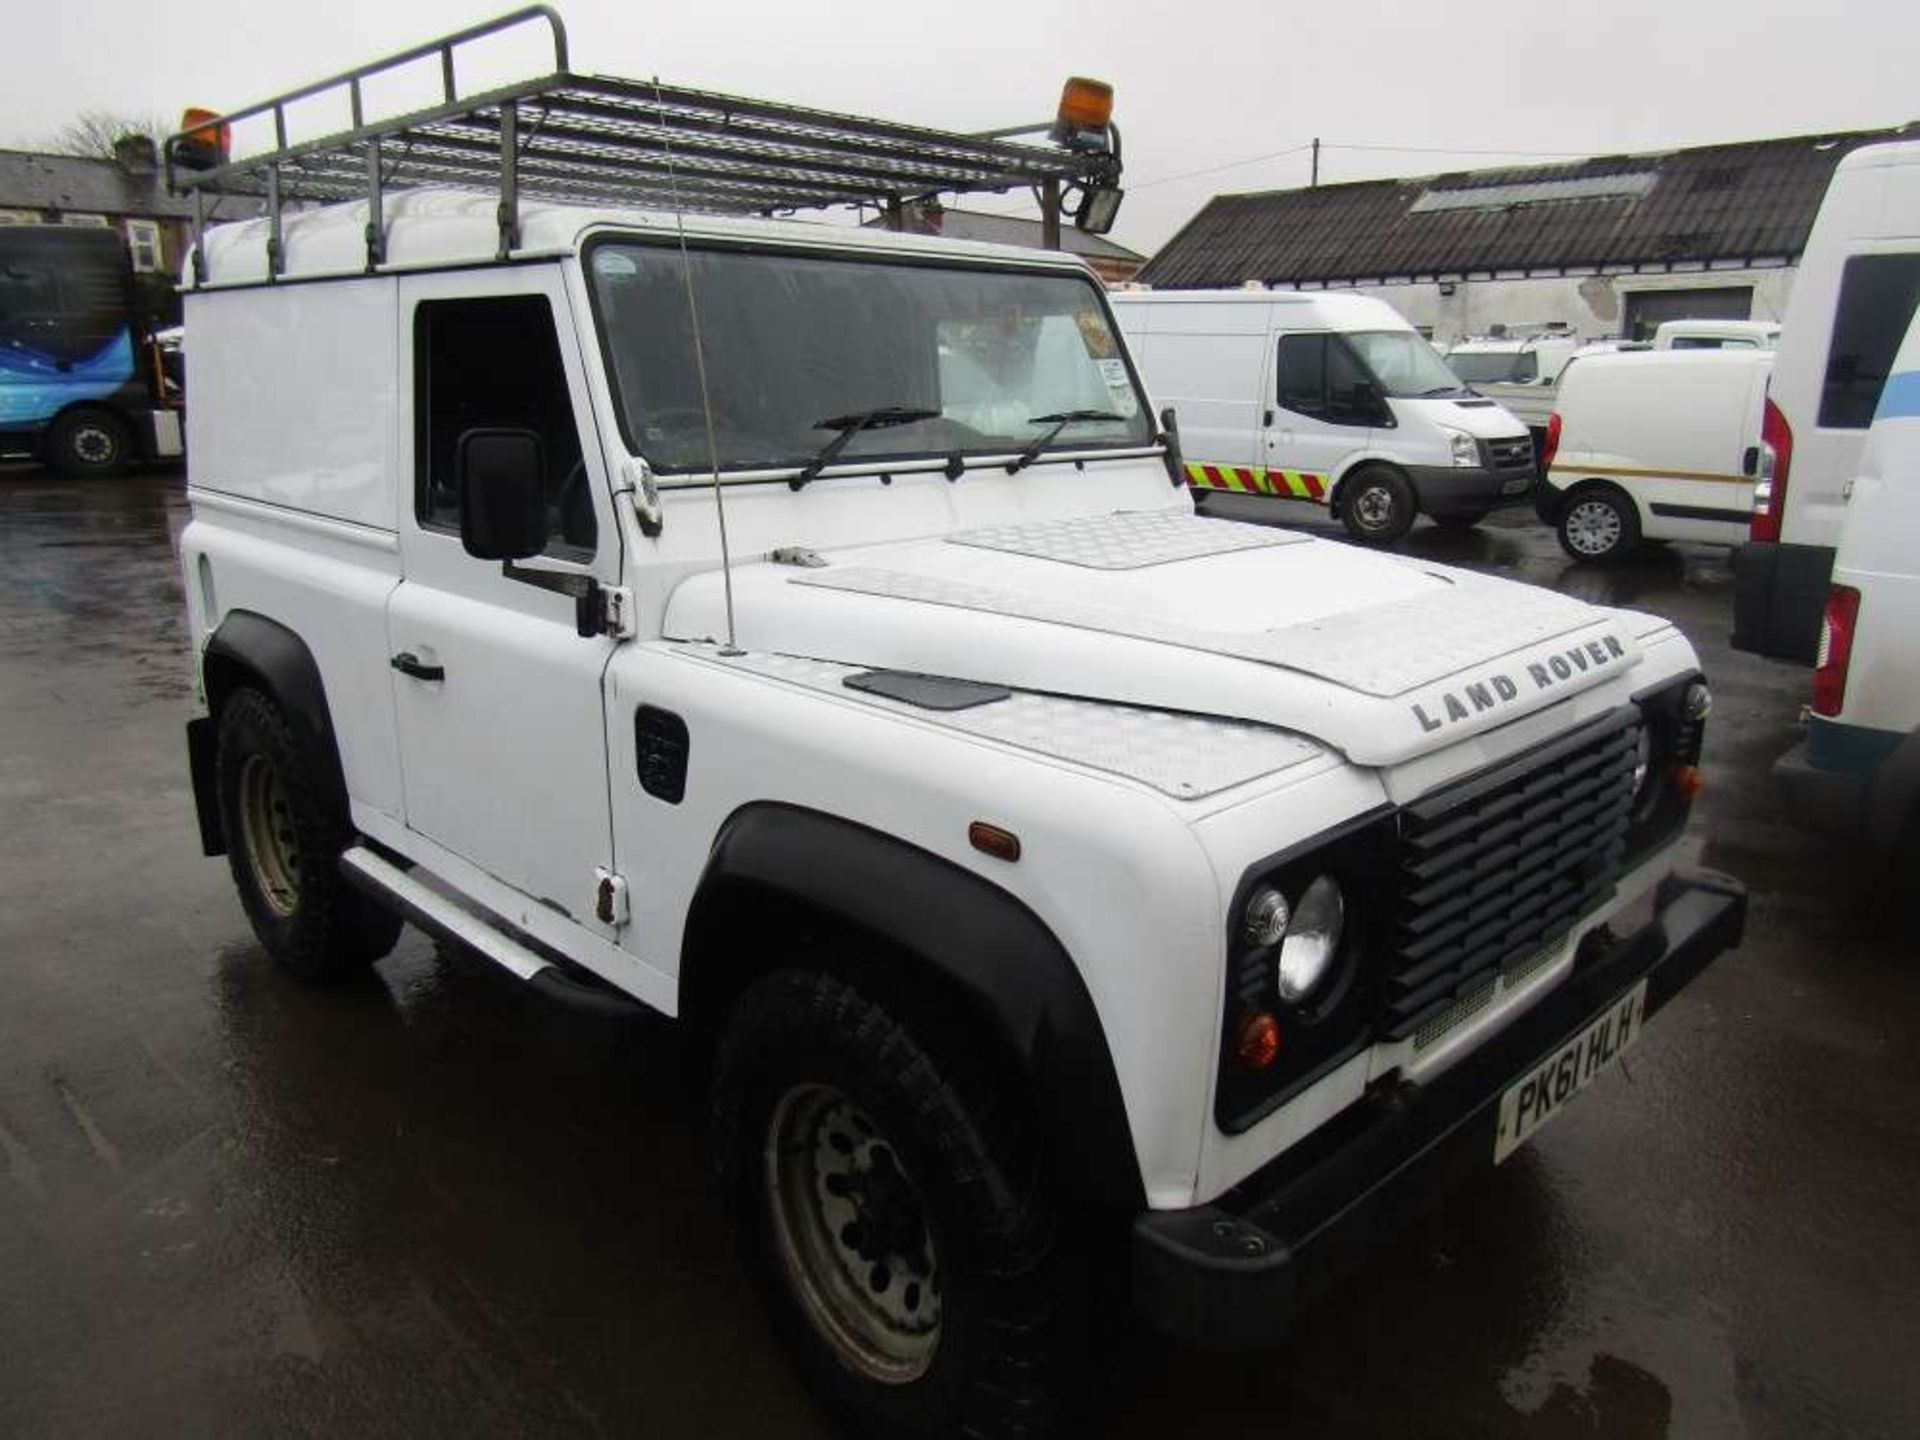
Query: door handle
408, 663
1266, 419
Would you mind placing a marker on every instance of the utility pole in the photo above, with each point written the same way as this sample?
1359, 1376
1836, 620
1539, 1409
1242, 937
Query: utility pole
1316, 162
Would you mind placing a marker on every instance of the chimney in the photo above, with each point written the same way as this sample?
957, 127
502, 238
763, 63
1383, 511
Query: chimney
136, 154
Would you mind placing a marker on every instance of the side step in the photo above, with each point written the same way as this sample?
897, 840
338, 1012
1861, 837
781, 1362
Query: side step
387, 883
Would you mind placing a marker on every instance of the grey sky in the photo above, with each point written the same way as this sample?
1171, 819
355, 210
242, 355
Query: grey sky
1200, 83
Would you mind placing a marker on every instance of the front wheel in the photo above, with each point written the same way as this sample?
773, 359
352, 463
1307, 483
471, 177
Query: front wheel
284, 837
1377, 505
891, 1215
86, 443
1598, 525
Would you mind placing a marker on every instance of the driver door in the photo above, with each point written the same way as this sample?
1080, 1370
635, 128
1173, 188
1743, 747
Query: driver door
1321, 416
497, 697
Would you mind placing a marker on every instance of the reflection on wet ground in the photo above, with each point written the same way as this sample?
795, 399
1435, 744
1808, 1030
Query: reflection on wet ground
418, 1206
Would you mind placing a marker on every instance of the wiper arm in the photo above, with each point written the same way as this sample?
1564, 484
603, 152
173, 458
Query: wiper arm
1058, 421
849, 425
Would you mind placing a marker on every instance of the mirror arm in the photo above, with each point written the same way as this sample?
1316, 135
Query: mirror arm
588, 616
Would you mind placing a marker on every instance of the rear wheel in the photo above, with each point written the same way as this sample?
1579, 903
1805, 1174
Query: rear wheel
84, 443
893, 1215
1376, 505
1598, 525
284, 837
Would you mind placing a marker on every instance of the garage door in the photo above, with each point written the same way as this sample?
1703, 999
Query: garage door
1647, 309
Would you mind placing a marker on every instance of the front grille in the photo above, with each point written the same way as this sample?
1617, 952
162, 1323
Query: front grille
1516, 454
1496, 869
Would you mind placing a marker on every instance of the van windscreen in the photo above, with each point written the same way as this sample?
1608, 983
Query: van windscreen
1403, 364
793, 342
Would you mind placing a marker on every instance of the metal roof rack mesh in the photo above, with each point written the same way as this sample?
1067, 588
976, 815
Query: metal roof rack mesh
603, 140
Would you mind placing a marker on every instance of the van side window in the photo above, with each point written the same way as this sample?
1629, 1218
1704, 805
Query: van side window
1302, 374
494, 363
1877, 295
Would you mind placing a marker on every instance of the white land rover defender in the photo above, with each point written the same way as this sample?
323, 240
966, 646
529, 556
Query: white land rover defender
803, 631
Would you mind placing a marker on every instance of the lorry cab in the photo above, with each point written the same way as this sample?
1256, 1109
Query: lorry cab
1852, 298
1328, 398
1858, 768
1654, 445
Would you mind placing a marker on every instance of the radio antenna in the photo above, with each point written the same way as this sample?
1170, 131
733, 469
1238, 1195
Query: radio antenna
699, 362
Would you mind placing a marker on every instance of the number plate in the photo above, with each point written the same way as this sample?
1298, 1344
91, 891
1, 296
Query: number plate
1547, 1088
1519, 485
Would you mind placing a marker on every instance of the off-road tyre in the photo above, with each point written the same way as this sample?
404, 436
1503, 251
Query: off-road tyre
284, 836
1377, 505
1599, 524
88, 443
1001, 1362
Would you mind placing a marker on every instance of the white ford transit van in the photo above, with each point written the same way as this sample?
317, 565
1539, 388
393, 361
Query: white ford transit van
1851, 302
1654, 445
1859, 767
1328, 398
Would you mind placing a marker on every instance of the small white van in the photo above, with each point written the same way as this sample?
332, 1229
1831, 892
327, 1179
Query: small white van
1852, 299
1716, 335
1329, 398
1858, 769
1654, 445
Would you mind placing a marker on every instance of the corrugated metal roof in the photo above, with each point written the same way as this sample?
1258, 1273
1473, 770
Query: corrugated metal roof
1750, 201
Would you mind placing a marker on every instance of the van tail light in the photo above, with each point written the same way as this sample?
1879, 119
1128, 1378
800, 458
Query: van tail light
1836, 649
1551, 446
1770, 487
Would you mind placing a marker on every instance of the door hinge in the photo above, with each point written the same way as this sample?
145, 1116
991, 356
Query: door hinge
616, 612
609, 897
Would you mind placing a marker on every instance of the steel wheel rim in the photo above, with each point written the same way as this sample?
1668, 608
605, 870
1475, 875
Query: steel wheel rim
94, 444
1593, 527
874, 1296
273, 846
1374, 507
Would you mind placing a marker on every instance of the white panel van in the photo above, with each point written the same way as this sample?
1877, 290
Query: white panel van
1851, 303
1654, 445
1858, 768
1329, 398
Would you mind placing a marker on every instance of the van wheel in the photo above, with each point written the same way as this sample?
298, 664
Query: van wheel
906, 1252
88, 443
1598, 525
1376, 505
284, 838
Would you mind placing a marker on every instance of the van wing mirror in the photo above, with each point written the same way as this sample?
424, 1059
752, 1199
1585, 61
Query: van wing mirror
1170, 437
500, 475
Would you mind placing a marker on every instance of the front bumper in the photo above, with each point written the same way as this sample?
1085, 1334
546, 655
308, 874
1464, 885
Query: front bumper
1467, 489
1233, 1273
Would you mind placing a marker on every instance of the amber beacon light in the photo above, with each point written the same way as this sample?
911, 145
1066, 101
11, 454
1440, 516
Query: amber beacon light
1086, 107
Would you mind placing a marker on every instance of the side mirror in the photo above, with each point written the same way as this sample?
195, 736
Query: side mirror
499, 476
1170, 437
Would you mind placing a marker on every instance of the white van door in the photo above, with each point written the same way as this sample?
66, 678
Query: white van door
503, 747
1319, 415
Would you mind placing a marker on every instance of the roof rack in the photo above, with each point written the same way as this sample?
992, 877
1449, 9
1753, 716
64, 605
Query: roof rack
604, 140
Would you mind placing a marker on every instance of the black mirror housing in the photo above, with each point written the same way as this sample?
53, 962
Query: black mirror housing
500, 477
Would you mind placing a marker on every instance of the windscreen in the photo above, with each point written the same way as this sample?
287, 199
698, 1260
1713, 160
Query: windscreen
1403, 364
797, 345
1485, 367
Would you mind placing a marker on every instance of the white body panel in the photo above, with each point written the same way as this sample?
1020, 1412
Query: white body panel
1872, 207
1716, 335
513, 780
1672, 429
1879, 555
1211, 355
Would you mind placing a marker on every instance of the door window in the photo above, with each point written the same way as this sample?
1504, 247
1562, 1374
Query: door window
1319, 375
1877, 295
492, 364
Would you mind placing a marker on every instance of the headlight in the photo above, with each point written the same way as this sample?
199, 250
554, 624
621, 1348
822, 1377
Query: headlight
1462, 447
1311, 941
1642, 762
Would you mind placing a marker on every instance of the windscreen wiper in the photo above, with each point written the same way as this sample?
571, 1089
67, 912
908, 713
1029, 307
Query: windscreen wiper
849, 425
1059, 421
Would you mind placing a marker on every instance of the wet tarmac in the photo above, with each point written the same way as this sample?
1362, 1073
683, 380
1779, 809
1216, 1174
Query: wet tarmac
230, 1205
